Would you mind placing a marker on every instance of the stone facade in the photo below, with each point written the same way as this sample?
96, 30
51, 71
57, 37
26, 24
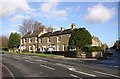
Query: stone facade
49, 41
96, 41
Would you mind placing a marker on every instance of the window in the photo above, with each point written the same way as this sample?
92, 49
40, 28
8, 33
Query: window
34, 47
40, 40
35, 39
48, 40
30, 40
58, 48
21, 42
69, 35
58, 39
63, 47
30, 48
24, 40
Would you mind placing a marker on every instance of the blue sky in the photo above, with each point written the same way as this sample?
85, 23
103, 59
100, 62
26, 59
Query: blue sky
99, 18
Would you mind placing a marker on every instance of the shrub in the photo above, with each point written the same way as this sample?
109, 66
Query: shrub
92, 49
5, 49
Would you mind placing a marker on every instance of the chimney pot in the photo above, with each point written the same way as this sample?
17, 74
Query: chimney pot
73, 26
62, 28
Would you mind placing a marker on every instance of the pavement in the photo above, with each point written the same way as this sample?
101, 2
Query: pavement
23, 66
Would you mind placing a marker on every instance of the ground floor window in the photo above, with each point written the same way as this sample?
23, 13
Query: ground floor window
63, 47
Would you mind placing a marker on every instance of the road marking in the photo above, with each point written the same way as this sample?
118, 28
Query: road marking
63, 65
74, 76
28, 61
74, 70
115, 66
41, 60
9, 71
106, 74
47, 67
17, 58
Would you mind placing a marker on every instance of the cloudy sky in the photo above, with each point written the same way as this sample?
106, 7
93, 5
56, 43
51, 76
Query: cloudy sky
99, 18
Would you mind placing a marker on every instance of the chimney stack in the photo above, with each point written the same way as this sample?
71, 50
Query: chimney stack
44, 31
53, 29
73, 26
62, 28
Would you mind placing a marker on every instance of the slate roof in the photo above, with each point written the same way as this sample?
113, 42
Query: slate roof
35, 33
27, 34
56, 33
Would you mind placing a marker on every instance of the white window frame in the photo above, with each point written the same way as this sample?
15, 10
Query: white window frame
40, 40
48, 40
21, 41
63, 47
58, 47
35, 39
30, 40
58, 39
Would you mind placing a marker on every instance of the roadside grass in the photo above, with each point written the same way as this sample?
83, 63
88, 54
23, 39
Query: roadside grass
43, 55
36, 54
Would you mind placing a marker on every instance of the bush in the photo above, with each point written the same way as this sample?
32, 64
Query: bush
5, 49
25, 50
92, 49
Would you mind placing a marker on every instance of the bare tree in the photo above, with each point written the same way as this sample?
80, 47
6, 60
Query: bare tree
26, 26
31, 25
4, 41
36, 25
49, 29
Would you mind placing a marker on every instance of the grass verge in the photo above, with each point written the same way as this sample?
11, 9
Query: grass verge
36, 54
42, 55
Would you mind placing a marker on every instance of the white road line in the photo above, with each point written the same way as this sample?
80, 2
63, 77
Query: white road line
47, 67
17, 58
106, 74
40, 60
74, 70
28, 61
74, 76
63, 65
9, 71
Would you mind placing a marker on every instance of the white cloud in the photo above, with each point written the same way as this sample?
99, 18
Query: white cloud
13, 6
99, 14
13, 31
49, 10
18, 18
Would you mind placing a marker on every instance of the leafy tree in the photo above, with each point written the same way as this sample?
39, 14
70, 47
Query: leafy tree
80, 38
14, 40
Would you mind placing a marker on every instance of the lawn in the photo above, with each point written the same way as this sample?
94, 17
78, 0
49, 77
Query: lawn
37, 54
42, 55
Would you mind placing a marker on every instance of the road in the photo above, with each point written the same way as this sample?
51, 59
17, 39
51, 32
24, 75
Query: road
112, 61
43, 67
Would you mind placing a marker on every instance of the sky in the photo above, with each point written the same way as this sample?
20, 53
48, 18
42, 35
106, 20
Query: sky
99, 18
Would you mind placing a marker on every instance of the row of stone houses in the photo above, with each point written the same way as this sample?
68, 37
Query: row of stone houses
50, 41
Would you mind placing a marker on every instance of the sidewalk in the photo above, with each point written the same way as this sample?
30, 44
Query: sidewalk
6, 74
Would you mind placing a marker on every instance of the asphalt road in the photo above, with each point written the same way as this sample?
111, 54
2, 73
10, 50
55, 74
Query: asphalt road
41, 67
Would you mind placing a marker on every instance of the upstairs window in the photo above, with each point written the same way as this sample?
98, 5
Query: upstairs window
58, 39
30, 40
40, 40
48, 40
35, 39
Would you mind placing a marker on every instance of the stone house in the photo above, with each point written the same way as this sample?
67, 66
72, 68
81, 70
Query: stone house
96, 41
49, 41
29, 42
55, 40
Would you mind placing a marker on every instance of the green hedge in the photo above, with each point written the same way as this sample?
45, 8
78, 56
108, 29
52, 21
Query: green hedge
5, 48
92, 49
